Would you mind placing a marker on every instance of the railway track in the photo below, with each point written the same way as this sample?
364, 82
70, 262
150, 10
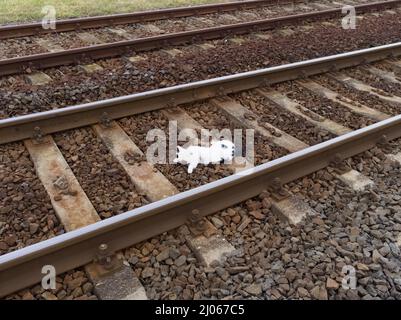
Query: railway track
319, 114
30, 29
47, 53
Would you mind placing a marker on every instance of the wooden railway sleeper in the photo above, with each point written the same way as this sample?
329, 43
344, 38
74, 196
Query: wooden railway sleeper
310, 114
264, 122
63, 188
382, 92
133, 158
347, 100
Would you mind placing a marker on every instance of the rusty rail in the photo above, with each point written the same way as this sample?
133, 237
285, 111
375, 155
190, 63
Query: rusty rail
46, 60
30, 29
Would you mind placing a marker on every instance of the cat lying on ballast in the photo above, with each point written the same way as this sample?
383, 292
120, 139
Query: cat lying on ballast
218, 152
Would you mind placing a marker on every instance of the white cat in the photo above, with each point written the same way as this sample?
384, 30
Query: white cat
218, 152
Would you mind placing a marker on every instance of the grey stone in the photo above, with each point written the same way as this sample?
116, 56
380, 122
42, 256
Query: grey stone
133, 260
243, 224
174, 253
38, 78
254, 289
48, 296
180, 261
217, 222
319, 293
248, 278
302, 292
277, 266
238, 269
164, 255
33, 228
376, 256
87, 287
385, 250
147, 272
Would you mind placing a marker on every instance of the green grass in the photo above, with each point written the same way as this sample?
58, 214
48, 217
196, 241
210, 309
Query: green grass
30, 10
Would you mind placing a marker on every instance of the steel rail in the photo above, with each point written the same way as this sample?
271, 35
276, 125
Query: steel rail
30, 29
24, 127
70, 56
22, 268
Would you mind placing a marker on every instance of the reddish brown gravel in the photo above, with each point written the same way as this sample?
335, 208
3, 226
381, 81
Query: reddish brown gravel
375, 81
26, 213
73, 285
324, 107
161, 70
289, 123
274, 260
362, 97
386, 67
68, 40
211, 118
138, 127
102, 178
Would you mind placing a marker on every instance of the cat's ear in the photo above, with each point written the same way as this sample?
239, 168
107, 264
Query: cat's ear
180, 149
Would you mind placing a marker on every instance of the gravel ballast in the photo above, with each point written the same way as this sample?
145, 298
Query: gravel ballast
26, 212
275, 260
102, 178
17, 47
161, 70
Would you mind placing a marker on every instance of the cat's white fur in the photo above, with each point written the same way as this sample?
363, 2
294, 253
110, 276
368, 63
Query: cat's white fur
218, 152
